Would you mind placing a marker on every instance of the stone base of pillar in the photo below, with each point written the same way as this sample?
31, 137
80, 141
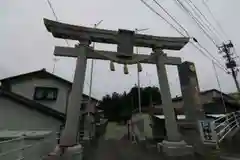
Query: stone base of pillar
175, 149
68, 153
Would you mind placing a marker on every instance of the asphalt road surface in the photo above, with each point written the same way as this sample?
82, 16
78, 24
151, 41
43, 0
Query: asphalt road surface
120, 150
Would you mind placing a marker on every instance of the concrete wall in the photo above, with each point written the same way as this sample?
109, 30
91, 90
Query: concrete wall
39, 148
14, 116
143, 123
26, 88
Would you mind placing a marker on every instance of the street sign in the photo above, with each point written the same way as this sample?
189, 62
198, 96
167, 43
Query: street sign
207, 131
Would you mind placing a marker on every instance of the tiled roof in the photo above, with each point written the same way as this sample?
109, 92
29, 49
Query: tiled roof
40, 73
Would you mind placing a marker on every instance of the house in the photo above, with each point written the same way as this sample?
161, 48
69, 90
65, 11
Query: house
215, 104
213, 101
35, 101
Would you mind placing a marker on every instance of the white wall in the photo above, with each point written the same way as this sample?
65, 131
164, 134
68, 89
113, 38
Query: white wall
14, 116
39, 148
26, 88
144, 120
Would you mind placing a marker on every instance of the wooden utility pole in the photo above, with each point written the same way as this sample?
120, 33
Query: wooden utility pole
54, 64
230, 61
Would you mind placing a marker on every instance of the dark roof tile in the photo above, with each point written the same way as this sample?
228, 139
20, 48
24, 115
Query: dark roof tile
40, 73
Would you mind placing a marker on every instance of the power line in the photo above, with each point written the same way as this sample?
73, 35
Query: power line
187, 32
174, 19
158, 14
199, 24
210, 54
56, 17
209, 25
219, 64
201, 51
51, 7
213, 17
206, 19
207, 54
219, 85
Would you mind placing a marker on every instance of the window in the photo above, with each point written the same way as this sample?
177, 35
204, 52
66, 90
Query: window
45, 93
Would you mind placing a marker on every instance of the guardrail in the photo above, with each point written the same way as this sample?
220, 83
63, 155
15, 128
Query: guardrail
22, 148
224, 125
214, 131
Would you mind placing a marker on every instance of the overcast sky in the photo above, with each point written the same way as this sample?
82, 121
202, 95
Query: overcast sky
27, 46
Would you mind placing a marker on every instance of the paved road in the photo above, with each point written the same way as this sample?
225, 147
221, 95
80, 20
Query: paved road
113, 145
120, 150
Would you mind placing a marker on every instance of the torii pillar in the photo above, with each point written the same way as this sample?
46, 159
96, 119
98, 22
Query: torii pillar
126, 40
190, 92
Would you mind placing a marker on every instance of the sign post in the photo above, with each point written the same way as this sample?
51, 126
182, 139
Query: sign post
207, 132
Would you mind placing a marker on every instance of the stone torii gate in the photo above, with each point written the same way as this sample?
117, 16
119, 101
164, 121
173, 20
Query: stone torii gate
125, 40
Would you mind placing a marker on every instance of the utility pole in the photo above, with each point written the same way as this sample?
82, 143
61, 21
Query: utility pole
149, 85
139, 70
230, 61
92, 66
220, 88
54, 64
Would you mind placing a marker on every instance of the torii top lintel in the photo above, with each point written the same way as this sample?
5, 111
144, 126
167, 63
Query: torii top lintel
80, 33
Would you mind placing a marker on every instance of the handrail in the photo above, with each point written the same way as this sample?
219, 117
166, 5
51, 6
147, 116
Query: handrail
227, 126
226, 133
228, 119
216, 120
231, 121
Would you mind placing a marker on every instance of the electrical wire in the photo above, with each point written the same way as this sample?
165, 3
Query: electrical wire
174, 19
51, 7
220, 88
200, 14
218, 24
201, 51
207, 54
216, 61
158, 14
213, 17
198, 23
56, 17
185, 30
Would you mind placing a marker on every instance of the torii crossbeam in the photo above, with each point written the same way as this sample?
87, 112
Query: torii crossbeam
125, 40
73, 32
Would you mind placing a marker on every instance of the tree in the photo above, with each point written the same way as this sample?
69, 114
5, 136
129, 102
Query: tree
119, 107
